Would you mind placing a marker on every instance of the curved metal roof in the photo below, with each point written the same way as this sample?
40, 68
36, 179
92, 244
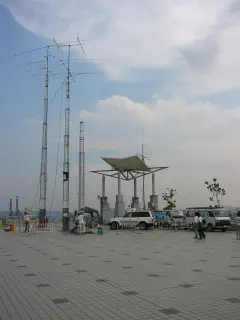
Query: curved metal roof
129, 163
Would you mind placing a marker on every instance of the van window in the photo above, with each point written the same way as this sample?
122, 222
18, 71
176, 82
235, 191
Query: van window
210, 214
190, 213
221, 213
202, 212
140, 214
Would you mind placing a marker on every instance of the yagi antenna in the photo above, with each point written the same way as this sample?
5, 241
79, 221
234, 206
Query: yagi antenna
62, 44
80, 44
58, 46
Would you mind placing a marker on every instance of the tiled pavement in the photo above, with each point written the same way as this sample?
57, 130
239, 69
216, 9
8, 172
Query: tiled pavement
125, 275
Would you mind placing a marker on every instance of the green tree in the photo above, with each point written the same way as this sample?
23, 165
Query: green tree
216, 192
168, 196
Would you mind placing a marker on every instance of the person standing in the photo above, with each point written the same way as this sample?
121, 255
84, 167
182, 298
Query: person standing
27, 218
195, 225
201, 228
45, 221
237, 221
157, 219
81, 223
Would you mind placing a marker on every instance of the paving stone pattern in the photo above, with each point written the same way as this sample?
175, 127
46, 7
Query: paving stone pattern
125, 275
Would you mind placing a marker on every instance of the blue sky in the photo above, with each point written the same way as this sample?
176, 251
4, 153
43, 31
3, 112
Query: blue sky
171, 67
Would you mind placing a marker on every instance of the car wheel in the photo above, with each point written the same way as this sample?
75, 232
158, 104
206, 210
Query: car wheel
114, 226
210, 227
143, 226
224, 229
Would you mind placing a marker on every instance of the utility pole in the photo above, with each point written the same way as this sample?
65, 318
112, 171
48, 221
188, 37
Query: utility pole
81, 185
65, 209
43, 172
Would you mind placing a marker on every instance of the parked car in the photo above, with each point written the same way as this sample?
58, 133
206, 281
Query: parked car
142, 219
216, 218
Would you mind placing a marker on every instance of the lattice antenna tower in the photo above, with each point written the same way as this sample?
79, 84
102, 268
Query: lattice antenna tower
43, 170
43, 165
81, 185
66, 167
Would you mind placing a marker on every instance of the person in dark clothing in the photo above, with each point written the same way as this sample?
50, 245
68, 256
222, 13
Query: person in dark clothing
45, 221
75, 219
201, 223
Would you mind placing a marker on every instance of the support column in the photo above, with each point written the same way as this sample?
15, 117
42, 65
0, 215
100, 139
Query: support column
103, 200
103, 186
135, 200
119, 183
119, 205
135, 187
153, 184
153, 203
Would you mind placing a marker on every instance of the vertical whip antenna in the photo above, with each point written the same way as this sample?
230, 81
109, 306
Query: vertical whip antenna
43, 171
143, 157
143, 179
81, 185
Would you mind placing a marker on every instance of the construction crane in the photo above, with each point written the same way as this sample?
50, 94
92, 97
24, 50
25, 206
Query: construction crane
81, 185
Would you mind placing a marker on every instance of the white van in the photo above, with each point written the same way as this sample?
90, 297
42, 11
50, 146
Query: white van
216, 218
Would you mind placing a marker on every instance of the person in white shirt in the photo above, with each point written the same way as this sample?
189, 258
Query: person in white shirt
237, 221
27, 218
196, 221
81, 222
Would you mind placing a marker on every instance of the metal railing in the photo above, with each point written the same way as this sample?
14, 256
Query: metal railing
17, 225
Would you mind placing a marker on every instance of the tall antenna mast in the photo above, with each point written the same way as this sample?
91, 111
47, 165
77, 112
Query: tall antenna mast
143, 157
143, 179
66, 167
81, 186
65, 209
43, 172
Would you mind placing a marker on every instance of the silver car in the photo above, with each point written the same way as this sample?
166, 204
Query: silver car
140, 218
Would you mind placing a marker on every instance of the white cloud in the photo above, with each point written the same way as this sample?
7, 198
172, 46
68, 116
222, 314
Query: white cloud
197, 141
155, 34
199, 39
